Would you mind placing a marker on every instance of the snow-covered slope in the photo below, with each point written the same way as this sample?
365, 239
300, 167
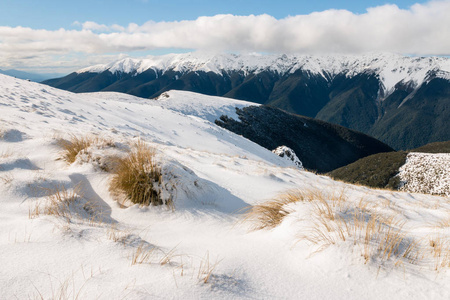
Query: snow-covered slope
98, 249
206, 107
391, 68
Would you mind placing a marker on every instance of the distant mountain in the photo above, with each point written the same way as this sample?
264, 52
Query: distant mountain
403, 101
37, 77
319, 145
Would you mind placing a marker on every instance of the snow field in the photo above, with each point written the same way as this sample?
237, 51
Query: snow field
64, 234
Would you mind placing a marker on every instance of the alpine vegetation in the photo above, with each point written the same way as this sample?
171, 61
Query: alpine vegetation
426, 173
75, 145
139, 177
379, 234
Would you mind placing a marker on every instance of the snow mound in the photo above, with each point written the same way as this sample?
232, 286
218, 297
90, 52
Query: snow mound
289, 154
426, 173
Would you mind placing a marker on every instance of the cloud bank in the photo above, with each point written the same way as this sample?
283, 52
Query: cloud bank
423, 29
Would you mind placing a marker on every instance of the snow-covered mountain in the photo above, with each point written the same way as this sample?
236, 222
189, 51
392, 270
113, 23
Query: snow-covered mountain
63, 234
391, 69
388, 96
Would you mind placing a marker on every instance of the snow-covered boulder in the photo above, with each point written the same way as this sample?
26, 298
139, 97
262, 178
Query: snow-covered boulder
289, 154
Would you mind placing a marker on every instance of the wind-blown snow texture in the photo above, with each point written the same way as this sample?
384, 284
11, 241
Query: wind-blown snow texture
216, 174
391, 68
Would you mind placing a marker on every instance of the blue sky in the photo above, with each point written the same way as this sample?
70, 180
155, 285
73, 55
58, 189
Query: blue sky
63, 36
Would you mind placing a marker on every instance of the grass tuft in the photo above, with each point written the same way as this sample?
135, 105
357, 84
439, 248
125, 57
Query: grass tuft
72, 147
206, 269
142, 254
329, 219
271, 213
139, 177
60, 200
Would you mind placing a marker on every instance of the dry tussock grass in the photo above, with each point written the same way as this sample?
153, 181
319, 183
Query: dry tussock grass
333, 220
75, 145
139, 177
117, 235
142, 254
63, 289
440, 250
206, 268
67, 204
378, 237
60, 200
271, 213
149, 254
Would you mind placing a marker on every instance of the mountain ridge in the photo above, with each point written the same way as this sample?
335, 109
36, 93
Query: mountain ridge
390, 67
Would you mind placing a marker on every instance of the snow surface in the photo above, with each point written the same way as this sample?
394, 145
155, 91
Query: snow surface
89, 254
391, 68
187, 103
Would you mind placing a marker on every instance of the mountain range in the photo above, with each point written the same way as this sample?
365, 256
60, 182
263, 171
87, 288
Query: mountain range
400, 100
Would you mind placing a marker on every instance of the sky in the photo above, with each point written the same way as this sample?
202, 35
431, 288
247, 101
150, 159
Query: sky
63, 36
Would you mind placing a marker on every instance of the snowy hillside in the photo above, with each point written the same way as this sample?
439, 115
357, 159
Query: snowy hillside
64, 234
391, 68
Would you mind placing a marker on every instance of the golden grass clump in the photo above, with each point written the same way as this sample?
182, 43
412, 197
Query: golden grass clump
72, 147
330, 219
138, 176
271, 213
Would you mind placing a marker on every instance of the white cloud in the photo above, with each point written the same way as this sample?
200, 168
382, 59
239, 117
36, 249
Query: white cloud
424, 29
95, 27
